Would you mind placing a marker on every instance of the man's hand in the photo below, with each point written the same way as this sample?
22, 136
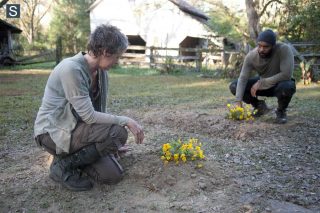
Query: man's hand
136, 130
255, 88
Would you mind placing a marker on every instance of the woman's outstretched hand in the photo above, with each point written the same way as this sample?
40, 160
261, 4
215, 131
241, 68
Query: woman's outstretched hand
136, 130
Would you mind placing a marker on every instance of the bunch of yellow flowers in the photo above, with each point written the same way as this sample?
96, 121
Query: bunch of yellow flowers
178, 151
240, 113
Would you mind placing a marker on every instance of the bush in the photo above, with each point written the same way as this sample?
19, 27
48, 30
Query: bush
297, 74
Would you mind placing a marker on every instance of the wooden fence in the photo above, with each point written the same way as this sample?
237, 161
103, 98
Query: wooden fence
307, 57
33, 56
190, 58
167, 58
195, 58
37, 57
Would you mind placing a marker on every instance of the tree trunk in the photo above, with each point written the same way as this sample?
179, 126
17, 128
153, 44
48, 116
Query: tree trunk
58, 50
253, 19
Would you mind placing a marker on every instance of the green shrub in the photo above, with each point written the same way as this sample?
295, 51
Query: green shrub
297, 74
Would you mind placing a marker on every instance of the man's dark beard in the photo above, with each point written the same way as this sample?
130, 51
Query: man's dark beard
268, 55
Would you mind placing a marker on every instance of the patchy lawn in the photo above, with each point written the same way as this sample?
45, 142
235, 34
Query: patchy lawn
249, 167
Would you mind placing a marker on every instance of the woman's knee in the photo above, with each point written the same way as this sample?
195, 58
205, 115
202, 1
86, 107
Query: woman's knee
110, 179
117, 138
120, 133
45, 142
106, 170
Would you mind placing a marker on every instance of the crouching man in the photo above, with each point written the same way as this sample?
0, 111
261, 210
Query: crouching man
274, 64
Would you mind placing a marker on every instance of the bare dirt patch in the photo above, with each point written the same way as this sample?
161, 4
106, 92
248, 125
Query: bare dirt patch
250, 167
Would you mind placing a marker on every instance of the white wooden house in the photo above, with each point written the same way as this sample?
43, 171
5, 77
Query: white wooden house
158, 23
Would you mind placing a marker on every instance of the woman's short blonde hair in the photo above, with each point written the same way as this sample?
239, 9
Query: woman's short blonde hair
107, 39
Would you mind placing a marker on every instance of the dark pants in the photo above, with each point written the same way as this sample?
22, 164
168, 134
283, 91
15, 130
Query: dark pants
284, 91
107, 139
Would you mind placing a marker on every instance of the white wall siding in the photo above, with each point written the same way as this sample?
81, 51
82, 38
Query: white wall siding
115, 12
162, 24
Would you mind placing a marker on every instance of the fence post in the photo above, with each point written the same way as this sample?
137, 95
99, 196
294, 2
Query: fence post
151, 56
224, 57
199, 59
58, 49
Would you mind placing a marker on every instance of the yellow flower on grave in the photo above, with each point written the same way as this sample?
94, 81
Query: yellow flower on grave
183, 157
239, 113
176, 157
184, 151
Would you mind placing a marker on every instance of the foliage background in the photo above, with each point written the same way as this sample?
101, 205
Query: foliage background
296, 20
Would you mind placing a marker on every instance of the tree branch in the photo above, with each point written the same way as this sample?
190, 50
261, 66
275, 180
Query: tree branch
45, 12
266, 5
3, 3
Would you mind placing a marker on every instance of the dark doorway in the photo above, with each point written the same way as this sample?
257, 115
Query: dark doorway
136, 40
189, 42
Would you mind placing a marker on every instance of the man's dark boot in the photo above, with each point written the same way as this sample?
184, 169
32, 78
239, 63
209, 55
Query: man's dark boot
281, 116
260, 108
65, 170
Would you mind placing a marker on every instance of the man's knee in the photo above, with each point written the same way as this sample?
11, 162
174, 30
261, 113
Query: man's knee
233, 87
285, 89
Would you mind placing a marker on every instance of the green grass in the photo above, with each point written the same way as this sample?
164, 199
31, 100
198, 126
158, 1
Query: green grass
133, 71
135, 91
42, 66
306, 100
20, 94
132, 88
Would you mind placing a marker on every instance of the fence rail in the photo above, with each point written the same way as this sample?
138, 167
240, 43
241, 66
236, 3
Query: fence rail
307, 57
165, 57
194, 58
